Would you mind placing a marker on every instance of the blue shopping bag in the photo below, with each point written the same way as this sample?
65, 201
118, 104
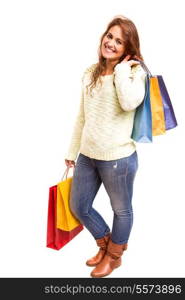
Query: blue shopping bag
142, 128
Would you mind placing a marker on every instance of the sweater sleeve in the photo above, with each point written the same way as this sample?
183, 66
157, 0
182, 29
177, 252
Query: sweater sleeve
130, 85
77, 130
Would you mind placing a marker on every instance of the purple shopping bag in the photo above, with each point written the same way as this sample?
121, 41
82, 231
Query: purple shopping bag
170, 119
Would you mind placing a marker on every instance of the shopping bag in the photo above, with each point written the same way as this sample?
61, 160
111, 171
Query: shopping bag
57, 238
162, 113
65, 218
158, 119
170, 119
142, 127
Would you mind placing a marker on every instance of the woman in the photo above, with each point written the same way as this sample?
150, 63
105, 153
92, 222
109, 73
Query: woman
112, 89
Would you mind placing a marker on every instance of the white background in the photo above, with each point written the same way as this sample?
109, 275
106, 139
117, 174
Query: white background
45, 48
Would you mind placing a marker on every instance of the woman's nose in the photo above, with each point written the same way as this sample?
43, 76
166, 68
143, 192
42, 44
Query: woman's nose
111, 45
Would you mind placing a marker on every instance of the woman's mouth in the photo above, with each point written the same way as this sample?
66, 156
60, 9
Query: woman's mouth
109, 50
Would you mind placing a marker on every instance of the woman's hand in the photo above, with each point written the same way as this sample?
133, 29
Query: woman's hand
70, 163
130, 62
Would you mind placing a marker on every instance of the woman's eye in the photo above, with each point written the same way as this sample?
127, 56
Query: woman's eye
109, 36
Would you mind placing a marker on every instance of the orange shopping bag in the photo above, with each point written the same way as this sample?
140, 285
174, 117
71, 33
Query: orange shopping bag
157, 110
65, 218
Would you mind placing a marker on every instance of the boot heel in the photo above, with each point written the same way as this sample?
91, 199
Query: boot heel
118, 263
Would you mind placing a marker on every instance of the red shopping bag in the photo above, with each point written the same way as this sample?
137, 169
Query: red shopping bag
57, 238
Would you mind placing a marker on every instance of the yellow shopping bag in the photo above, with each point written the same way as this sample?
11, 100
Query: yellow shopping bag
157, 110
65, 219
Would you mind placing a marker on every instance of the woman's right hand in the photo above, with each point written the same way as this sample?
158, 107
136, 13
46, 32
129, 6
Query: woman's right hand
70, 163
130, 62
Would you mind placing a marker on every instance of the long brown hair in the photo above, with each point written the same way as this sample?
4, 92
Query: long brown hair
131, 46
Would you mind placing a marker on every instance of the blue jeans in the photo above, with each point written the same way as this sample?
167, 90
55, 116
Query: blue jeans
118, 178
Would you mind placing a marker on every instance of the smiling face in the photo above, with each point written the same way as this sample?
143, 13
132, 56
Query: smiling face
112, 47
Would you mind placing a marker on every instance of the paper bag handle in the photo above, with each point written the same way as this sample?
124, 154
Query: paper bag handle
66, 172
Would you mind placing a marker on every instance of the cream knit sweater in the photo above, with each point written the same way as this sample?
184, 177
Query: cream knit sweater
104, 122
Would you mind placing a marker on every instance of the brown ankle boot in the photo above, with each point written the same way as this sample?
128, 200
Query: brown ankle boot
110, 261
102, 243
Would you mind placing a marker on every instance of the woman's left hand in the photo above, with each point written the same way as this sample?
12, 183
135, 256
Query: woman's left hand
130, 62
